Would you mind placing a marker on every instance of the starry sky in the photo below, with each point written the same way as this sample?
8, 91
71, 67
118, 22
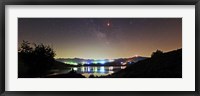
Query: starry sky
102, 38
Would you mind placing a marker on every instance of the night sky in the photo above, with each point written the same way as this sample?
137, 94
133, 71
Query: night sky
102, 38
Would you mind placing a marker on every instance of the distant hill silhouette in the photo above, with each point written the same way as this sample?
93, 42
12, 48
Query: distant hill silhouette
107, 62
162, 65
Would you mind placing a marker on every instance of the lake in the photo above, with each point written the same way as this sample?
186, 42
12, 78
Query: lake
95, 70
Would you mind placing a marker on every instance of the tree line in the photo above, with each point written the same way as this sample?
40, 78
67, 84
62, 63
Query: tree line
34, 60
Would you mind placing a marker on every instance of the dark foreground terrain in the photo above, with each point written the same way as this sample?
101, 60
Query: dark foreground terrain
71, 74
164, 65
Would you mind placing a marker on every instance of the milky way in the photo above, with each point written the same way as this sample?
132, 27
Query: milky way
100, 38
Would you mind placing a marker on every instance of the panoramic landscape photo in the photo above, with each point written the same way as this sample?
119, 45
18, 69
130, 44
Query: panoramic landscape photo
99, 47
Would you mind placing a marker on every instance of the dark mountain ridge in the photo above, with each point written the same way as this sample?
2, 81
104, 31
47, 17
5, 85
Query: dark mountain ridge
165, 65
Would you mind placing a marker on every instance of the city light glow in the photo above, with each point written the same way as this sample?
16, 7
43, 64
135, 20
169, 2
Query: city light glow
71, 63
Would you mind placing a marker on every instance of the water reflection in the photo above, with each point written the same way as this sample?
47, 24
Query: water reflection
97, 70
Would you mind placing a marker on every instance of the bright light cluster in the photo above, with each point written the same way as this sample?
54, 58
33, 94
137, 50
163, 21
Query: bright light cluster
90, 62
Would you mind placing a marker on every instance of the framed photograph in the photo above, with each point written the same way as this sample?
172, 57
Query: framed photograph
100, 47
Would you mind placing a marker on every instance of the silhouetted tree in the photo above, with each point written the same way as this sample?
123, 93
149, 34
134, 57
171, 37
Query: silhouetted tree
25, 48
35, 60
157, 53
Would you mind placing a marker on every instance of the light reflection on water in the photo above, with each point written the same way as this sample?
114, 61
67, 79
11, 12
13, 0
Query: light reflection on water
97, 70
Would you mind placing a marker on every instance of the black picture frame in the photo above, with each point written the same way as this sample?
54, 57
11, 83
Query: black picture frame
3, 3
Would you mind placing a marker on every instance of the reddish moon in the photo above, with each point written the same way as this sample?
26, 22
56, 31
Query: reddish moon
108, 24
